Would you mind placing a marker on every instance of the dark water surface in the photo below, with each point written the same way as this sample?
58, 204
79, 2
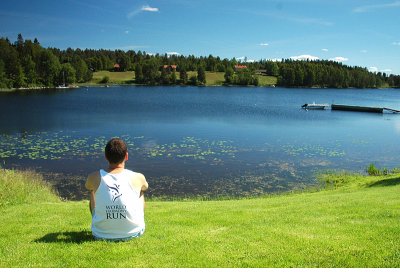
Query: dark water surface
208, 141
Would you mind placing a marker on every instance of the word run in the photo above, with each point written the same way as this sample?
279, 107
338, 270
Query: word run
116, 212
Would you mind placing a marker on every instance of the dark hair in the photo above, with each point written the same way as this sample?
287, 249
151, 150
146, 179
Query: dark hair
115, 150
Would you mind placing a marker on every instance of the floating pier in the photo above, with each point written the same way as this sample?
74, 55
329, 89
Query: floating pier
340, 107
356, 108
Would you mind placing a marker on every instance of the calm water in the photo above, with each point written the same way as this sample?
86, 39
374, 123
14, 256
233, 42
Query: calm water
198, 141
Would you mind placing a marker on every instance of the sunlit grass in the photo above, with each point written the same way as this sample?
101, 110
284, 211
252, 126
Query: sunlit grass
354, 225
267, 80
114, 77
26, 187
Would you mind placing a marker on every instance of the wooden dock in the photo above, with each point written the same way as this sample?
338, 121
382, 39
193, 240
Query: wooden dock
391, 110
341, 107
356, 108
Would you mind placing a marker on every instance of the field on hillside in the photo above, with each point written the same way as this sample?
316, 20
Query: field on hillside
212, 78
114, 77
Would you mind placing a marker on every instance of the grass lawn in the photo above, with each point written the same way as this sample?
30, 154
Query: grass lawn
114, 77
267, 80
354, 225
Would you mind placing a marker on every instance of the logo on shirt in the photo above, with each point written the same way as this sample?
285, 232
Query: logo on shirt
114, 192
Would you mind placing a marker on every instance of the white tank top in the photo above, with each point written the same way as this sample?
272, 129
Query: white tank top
119, 213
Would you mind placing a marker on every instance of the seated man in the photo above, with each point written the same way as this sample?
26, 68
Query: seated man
117, 197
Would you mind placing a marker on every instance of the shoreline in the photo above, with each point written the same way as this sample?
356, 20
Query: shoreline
37, 88
83, 85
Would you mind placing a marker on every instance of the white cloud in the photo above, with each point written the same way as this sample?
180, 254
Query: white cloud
304, 57
364, 51
274, 60
126, 31
263, 44
173, 54
245, 59
373, 69
368, 8
396, 43
142, 9
339, 59
324, 49
150, 9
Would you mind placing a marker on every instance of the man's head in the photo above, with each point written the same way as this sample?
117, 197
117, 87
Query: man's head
116, 151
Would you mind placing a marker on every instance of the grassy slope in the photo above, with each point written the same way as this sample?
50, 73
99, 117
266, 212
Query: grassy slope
115, 77
353, 226
212, 78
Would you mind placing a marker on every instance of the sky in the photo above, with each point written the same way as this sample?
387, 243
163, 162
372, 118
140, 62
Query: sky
355, 32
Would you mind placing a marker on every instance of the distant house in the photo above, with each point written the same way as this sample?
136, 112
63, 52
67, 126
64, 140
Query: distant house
240, 67
117, 67
169, 68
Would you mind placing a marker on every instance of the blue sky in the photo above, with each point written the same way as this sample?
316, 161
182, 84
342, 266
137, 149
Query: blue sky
356, 32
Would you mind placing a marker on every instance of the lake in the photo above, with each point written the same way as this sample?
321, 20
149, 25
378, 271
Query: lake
198, 141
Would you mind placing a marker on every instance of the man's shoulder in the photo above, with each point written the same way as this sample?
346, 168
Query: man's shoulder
138, 180
135, 174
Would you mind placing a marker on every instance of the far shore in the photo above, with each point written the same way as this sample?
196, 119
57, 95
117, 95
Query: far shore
213, 79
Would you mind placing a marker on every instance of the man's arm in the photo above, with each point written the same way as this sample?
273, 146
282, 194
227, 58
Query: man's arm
92, 183
143, 188
92, 202
145, 185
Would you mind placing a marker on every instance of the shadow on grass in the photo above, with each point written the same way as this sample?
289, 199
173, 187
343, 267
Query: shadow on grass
73, 237
386, 182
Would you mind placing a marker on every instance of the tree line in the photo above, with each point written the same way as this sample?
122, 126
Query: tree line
25, 63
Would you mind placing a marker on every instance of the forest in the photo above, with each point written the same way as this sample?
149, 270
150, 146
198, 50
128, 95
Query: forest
27, 64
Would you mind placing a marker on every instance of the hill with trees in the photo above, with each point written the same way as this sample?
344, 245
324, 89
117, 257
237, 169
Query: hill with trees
26, 63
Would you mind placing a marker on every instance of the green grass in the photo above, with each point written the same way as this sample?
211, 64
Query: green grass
354, 224
23, 188
267, 80
214, 78
115, 77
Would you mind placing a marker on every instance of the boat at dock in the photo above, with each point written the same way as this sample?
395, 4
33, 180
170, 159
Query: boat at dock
315, 106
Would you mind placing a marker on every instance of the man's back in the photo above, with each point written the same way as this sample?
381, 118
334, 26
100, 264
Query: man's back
119, 205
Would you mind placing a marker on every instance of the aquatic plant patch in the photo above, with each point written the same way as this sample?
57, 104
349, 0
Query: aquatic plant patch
62, 145
310, 151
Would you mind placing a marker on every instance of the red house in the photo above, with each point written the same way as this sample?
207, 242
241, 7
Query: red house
117, 68
169, 68
240, 67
